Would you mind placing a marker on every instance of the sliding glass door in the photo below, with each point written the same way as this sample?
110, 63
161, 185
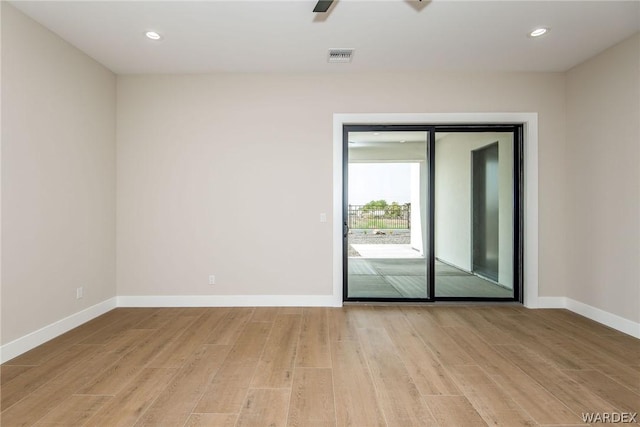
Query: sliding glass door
432, 213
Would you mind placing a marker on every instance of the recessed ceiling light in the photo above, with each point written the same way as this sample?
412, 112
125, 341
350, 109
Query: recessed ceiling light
376, 133
539, 32
403, 141
153, 35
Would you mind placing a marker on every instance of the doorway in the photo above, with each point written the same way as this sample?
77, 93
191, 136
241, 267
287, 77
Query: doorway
450, 229
485, 211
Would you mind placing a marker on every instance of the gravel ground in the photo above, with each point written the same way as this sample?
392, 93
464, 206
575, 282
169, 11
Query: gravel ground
391, 237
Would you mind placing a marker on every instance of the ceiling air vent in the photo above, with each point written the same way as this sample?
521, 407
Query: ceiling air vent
340, 55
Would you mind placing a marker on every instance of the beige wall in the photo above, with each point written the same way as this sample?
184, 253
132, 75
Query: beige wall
58, 178
603, 175
227, 174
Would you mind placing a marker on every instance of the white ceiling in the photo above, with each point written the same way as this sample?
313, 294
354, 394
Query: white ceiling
388, 35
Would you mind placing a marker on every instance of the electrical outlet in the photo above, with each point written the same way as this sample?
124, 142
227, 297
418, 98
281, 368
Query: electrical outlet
212, 279
323, 217
79, 292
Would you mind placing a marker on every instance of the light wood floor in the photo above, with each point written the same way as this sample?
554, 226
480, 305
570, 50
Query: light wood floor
354, 366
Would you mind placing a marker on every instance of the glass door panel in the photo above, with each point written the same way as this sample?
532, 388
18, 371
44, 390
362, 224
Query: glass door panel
386, 215
473, 214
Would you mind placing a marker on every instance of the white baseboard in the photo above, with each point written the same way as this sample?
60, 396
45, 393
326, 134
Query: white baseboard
609, 319
42, 335
596, 314
228, 301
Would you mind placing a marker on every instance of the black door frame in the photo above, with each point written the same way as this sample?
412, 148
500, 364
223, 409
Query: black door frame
518, 205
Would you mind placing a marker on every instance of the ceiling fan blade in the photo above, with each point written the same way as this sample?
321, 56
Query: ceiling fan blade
322, 6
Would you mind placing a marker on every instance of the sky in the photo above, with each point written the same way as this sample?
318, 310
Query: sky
375, 181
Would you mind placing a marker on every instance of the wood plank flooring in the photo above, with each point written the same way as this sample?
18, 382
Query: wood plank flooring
361, 366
